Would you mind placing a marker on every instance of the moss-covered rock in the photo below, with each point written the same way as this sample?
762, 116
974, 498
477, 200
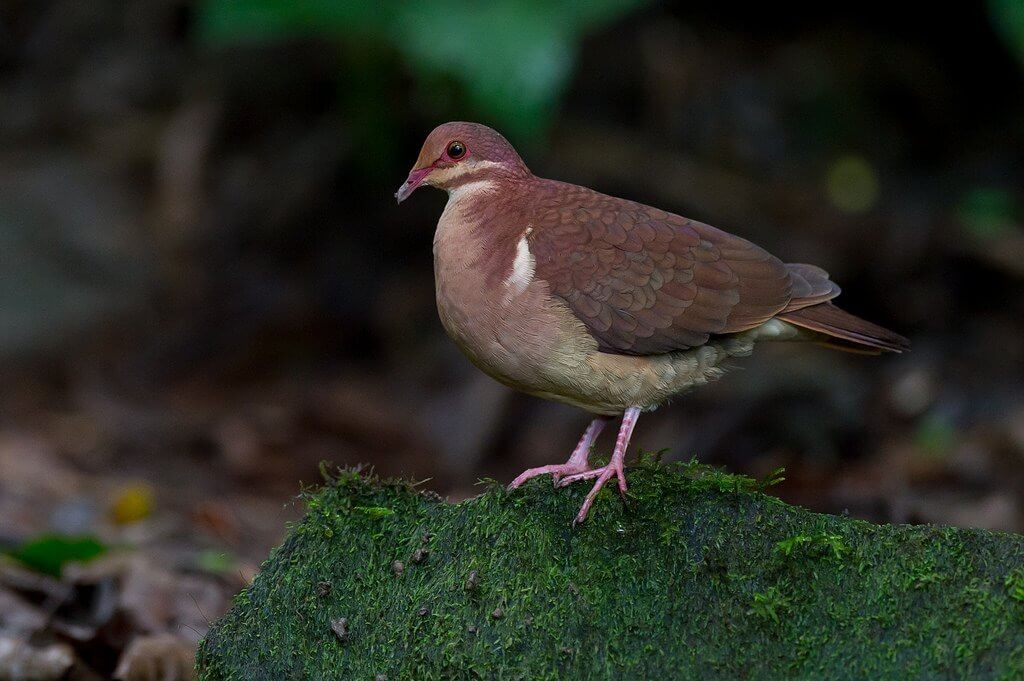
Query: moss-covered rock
699, 575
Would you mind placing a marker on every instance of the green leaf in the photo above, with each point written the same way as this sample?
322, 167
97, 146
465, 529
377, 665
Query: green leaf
50, 553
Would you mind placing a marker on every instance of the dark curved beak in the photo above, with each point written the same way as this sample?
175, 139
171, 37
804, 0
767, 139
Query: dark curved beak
416, 177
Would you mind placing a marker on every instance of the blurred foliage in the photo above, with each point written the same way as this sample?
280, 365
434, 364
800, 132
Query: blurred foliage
217, 562
936, 434
1008, 18
510, 59
988, 212
50, 553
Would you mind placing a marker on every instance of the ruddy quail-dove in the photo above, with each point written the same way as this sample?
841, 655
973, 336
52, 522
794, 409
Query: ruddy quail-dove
603, 303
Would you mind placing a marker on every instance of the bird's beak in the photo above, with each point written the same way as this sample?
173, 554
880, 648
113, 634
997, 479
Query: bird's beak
416, 177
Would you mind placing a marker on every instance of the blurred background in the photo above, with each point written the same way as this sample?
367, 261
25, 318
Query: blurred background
207, 288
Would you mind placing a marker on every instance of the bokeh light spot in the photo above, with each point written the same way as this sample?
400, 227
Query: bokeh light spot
852, 184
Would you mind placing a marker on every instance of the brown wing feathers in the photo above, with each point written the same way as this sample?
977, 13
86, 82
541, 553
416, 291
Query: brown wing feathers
811, 286
647, 282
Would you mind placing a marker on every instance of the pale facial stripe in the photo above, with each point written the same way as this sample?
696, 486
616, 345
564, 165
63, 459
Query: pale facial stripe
445, 175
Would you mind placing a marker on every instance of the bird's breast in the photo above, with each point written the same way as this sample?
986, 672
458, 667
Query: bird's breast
495, 309
478, 281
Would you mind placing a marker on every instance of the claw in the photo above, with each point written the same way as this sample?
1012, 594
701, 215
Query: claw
556, 471
582, 475
603, 475
614, 467
576, 464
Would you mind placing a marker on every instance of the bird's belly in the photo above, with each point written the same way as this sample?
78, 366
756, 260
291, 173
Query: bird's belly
615, 382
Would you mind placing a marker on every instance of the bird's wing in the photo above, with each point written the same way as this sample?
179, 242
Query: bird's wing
647, 282
811, 286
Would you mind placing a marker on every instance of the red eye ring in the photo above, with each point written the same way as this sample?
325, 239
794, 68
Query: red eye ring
456, 150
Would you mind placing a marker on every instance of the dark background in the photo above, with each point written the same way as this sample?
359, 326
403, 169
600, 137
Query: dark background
206, 287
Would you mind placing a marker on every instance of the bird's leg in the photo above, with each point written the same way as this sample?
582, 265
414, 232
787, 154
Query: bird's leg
577, 463
614, 466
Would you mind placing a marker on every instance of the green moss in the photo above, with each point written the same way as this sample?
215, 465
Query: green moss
769, 604
698, 575
1015, 584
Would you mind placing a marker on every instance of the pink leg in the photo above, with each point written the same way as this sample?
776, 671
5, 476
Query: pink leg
577, 463
614, 467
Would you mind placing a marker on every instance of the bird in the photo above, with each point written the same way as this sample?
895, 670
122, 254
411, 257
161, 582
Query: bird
603, 303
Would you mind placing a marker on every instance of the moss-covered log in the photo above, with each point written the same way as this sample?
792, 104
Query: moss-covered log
698, 575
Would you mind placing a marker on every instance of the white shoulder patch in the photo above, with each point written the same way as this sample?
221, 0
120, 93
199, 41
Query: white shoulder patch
523, 267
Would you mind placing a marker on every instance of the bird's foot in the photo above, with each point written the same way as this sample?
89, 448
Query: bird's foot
556, 471
602, 474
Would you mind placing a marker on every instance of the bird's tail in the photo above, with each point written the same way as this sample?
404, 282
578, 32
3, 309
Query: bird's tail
843, 331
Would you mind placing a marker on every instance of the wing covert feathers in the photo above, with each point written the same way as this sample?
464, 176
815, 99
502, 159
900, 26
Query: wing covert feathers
647, 282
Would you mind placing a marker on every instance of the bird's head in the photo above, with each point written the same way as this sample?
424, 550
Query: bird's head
455, 154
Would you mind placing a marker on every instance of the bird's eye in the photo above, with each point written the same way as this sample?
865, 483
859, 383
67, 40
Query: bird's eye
456, 150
